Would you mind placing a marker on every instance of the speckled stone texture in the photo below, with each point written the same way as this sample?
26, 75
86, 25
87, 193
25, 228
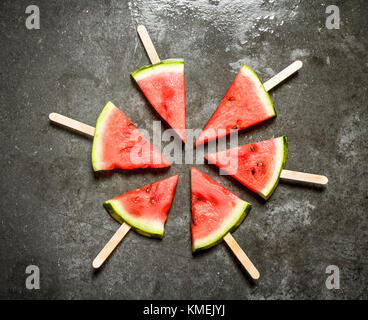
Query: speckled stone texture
51, 201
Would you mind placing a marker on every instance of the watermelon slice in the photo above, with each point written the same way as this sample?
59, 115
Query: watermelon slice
257, 165
163, 86
117, 143
245, 104
145, 209
215, 211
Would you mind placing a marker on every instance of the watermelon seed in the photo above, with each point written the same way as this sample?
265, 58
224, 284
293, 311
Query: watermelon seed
130, 124
231, 99
199, 198
153, 201
259, 164
252, 148
253, 171
193, 220
148, 189
234, 128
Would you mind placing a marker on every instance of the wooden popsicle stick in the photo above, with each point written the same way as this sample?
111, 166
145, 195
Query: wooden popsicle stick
303, 177
111, 245
283, 75
242, 257
70, 123
148, 45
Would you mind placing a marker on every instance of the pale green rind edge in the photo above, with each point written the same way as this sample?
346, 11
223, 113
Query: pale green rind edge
238, 217
150, 67
121, 216
96, 141
283, 154
270, 107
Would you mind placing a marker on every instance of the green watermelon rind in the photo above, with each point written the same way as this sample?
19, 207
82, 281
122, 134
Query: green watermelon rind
96, 138
267, 101
147, 70
142, 226
236, 217
282, 151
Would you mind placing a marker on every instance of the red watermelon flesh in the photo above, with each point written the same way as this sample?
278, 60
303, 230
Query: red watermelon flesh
256, 165
163, 85
117, 143
215, 211
145, 209
245, 104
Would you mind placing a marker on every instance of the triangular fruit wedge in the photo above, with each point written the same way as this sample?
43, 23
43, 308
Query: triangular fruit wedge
145, 209
256, 165
163, 85
215, 211
117, 143
245, 104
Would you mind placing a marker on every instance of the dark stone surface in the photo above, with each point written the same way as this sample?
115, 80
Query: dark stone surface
51, 202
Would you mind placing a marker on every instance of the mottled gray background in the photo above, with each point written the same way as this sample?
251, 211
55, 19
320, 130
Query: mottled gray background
51, 201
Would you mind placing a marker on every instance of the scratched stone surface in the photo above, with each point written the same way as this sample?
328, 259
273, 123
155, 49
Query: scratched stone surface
82, 56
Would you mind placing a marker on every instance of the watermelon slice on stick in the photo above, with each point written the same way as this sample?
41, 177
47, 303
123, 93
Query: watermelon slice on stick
245, 104
162, 82
117, 142
260, 165
144, 210
216, 212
